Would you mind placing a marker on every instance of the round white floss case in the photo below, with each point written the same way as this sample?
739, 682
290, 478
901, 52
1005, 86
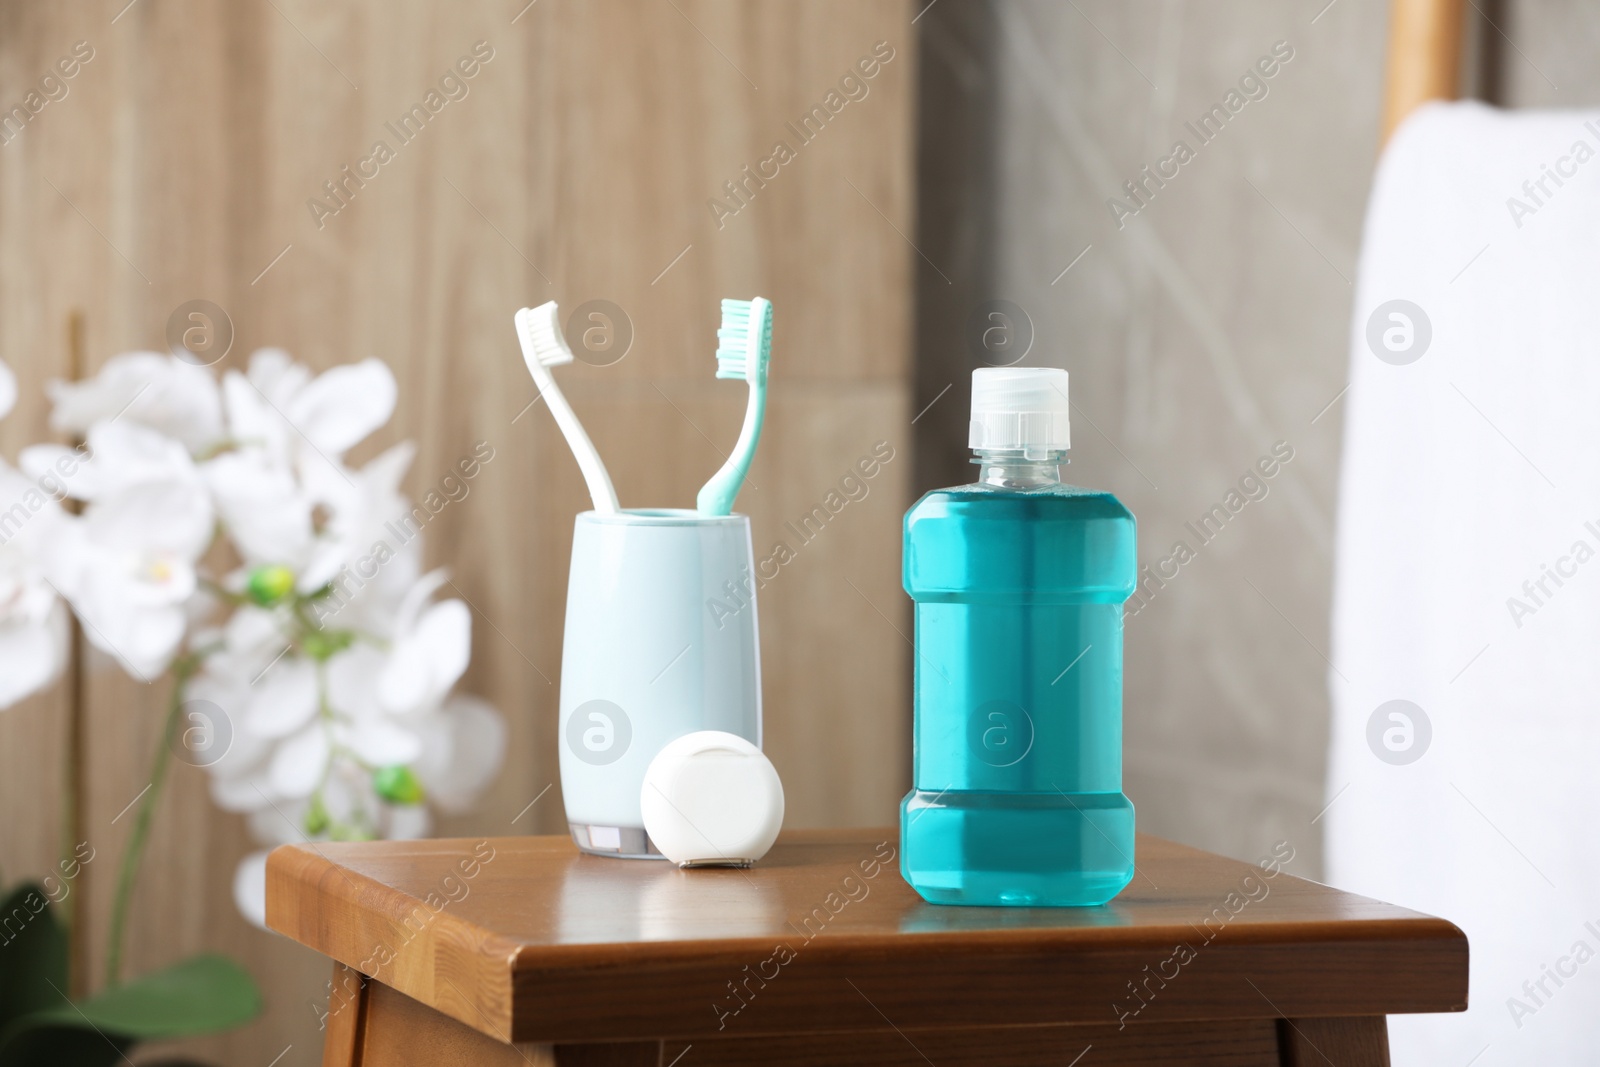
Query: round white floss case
711, 799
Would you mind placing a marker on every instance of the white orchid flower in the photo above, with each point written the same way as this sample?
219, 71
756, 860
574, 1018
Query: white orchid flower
163, 392
463, 738
8, 390
238, 771
289, 432
250, 888
463, 746
33, 634
118, 455
332, 676
127, 565
346, 799
337, 727
346, 806
318, 712
267, 513
428, 654
341, 407
362, 506
277, 405
239, 652
33, 625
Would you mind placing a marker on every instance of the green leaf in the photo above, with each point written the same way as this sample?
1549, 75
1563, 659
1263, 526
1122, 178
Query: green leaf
201, 995
33, 955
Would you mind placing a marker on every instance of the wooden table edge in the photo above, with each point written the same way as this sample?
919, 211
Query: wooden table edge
480, 978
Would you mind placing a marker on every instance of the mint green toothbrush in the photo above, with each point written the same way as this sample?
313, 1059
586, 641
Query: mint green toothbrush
744, 347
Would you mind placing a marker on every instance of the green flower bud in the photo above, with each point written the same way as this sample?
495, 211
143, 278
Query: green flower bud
317, 819
270, 584
350, 832
325, 644
397, 785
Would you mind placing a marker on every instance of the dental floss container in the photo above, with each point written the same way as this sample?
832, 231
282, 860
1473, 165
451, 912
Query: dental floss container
711, 799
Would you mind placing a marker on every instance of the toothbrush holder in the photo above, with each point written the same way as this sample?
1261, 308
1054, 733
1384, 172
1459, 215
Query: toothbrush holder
660, 641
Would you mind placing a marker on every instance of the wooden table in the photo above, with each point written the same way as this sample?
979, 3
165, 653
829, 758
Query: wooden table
447, 951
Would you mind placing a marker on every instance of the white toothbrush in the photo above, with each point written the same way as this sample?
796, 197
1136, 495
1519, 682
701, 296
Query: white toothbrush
543, 347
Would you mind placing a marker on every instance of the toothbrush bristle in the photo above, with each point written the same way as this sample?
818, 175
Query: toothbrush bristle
734, 356
544, 333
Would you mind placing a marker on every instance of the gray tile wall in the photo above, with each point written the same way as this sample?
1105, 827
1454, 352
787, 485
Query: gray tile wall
1201, 332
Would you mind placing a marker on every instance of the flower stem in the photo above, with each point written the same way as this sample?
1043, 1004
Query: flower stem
133, 852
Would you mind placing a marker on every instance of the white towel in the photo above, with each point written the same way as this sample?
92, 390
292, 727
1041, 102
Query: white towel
1469, 471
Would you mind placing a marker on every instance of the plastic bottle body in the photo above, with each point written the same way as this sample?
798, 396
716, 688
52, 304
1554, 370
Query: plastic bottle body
1019, 583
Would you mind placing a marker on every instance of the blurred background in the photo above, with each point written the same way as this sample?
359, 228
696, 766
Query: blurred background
590, 160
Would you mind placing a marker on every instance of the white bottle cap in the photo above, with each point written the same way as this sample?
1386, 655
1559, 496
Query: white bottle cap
711, 799
1020, 408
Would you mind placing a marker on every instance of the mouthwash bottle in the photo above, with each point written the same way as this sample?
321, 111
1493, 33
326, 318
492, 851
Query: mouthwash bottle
1019, 581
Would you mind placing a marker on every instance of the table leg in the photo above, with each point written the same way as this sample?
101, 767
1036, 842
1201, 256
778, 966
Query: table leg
392, 1030
1358, 1041
372, 1025
347, 1007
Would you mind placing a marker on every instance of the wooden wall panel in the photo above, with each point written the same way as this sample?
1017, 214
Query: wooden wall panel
32, 734
54, 262
578, 167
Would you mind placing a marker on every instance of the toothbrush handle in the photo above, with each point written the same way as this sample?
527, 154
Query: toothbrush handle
717, 495
594, 471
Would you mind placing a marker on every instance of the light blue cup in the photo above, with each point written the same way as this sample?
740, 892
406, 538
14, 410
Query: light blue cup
661, 641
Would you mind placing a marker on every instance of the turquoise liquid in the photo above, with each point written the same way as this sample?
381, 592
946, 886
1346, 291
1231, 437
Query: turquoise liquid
1017, 777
